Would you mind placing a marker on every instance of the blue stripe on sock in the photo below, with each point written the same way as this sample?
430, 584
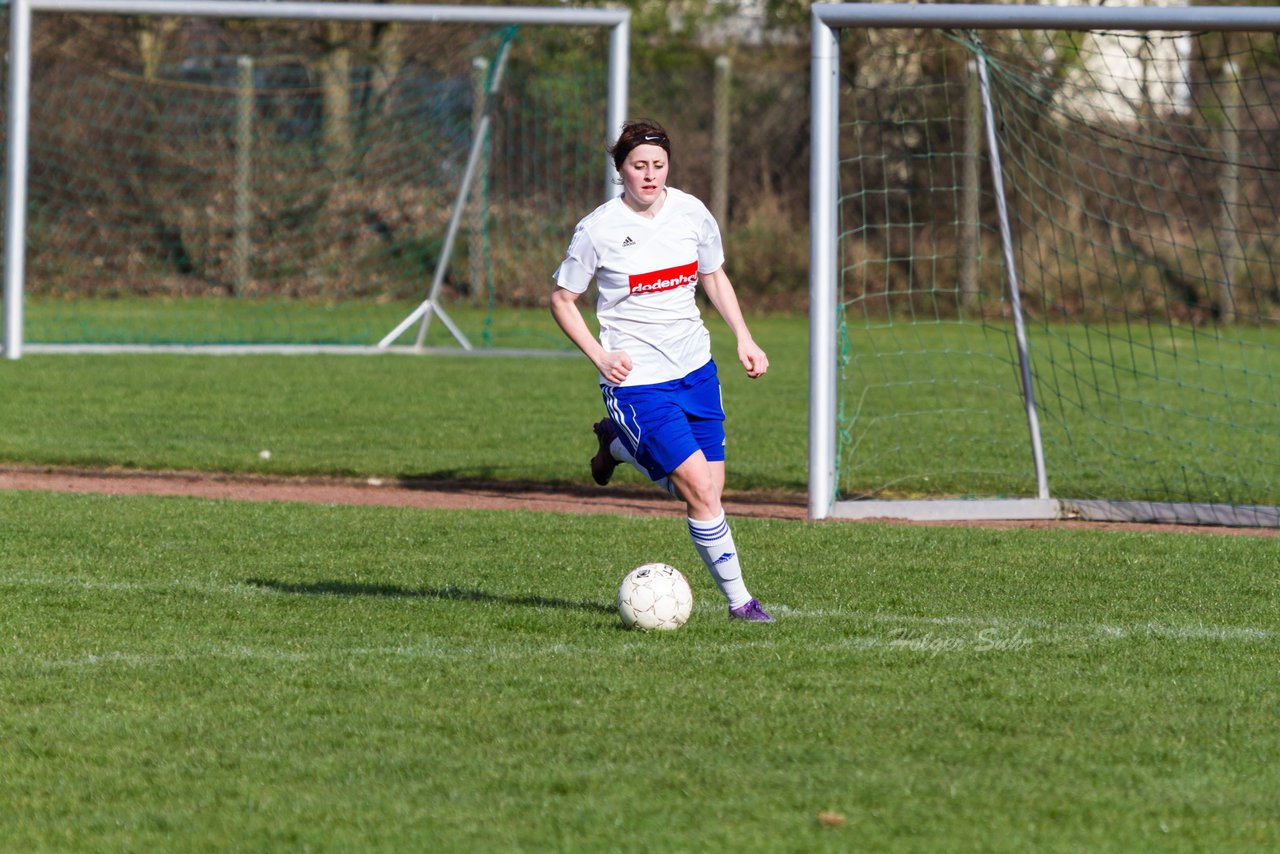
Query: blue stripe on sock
707, 536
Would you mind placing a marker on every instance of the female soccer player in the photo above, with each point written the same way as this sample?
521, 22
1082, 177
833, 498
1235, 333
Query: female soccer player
647, 250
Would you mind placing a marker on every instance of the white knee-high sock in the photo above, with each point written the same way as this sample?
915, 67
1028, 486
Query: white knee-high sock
715, 546
622, 455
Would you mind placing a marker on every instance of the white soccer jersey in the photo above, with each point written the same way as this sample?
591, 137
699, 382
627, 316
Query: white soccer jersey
647, 272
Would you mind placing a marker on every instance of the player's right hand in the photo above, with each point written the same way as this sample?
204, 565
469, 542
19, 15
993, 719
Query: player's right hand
615, 367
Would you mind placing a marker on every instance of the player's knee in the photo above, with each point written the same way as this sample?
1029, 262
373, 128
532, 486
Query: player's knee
700, 493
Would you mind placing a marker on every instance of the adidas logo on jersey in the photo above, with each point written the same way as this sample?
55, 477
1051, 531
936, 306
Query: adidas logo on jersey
627, 241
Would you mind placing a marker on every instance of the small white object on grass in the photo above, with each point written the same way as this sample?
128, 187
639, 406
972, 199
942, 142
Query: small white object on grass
265, 454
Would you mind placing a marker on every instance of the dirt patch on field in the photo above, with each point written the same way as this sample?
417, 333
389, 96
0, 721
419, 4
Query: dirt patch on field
473, 495
457, 494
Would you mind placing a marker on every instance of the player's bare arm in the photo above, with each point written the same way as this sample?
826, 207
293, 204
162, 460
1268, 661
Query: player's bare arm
720, 291
615, 366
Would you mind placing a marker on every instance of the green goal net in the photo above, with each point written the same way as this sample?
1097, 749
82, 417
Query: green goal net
1141, 178
211, 181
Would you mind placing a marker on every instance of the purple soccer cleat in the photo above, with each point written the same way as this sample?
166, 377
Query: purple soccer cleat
603, 463
751, 613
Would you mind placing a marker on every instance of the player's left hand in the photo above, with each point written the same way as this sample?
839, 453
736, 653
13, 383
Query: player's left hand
752, 358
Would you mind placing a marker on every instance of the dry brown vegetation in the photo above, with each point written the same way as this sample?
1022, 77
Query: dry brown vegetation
359, 132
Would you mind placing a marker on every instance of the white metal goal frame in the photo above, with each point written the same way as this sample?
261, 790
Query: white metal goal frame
617, 21
826, 20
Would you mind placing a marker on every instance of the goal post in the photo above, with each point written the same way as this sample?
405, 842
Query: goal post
1086, 326
212, 164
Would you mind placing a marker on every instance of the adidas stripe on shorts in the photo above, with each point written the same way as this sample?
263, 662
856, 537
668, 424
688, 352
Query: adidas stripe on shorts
664, 424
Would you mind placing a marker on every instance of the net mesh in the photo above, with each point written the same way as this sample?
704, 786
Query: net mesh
202, 181
1141, 178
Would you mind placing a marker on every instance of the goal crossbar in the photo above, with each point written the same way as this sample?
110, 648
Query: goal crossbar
983, 16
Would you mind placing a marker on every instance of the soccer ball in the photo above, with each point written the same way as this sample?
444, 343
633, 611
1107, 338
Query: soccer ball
654, 596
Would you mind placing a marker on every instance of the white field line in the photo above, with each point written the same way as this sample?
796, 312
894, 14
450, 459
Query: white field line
988, 640
913, 633
1104, 631
271, 655
171, 586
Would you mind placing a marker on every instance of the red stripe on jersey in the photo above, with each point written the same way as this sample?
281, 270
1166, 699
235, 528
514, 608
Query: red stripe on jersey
664, 280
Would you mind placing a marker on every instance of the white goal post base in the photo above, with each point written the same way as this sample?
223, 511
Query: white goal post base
1055, 509
1170, 513
289, 350
949, 510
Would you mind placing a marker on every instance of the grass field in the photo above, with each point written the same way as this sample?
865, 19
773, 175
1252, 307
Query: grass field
389, 416
186, 675
189, 675
220, 320
1163, 414
928, 409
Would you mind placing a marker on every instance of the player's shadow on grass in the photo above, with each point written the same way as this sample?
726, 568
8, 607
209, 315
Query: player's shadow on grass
394, 591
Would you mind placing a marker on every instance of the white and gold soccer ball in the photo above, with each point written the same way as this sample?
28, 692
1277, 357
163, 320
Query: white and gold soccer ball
654, 596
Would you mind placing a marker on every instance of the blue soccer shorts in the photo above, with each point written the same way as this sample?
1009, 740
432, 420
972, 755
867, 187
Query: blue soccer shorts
664, 424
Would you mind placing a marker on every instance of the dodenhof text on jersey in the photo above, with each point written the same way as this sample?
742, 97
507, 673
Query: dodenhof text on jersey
664, 280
